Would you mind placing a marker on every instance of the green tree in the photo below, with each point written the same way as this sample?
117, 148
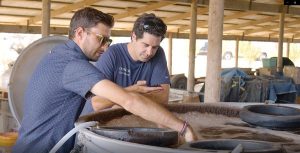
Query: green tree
249, 51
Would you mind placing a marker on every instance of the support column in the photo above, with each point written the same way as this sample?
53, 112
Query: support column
214, 55
288, 49
192, 47
280, 40
170, 53
46, 18
237, 52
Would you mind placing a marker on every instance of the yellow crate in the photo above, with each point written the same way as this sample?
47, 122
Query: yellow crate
8, 139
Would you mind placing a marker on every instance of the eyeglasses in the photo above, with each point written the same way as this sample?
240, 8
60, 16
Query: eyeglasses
149, 25
104, 41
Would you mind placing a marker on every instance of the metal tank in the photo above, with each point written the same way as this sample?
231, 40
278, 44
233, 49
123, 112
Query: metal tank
23, 69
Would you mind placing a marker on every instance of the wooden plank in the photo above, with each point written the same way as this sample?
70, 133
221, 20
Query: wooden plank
297, 35
292, 30
200, 11
280, 41
229, 17
192, 47
238, 15
3, 94
46, 18
268, 19
215, 31
143, 9
64, 9
126, 33
287, 24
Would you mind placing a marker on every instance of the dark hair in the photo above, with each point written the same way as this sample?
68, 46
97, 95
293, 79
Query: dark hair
151, 24
89, 17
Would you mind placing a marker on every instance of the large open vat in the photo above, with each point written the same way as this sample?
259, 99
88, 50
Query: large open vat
222, 122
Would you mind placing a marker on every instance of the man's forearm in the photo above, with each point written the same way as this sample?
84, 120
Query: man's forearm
100, 103
159, 97
141, 106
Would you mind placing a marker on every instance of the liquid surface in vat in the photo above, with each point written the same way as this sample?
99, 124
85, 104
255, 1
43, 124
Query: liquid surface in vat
212, 126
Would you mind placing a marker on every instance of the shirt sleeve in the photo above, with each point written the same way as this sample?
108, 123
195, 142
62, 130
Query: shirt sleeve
105, 63
80, 76
160, 73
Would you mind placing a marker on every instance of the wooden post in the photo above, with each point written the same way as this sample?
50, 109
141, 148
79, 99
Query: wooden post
280, 40
237, 52
170, 53
288, 49
4, 110
46, 18
192, 47
214, 55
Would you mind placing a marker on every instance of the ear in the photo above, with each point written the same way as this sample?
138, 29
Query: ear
133, 36
79, 33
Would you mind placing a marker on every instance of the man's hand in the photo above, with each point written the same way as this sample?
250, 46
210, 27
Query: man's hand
158, 93
141, 87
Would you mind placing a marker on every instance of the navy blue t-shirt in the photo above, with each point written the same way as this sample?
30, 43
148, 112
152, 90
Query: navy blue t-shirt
118, 66
54, 99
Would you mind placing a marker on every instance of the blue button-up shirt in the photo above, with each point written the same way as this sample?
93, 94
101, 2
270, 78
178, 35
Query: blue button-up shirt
54, 98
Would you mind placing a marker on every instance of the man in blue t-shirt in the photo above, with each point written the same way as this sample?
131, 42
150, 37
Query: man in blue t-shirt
141, 62
64, 80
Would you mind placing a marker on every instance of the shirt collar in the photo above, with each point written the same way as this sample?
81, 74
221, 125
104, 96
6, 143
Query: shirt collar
76, 49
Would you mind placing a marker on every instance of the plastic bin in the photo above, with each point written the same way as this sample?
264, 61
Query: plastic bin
269, 62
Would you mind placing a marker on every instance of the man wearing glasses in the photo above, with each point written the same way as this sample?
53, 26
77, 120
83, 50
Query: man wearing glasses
65, 79
140, 65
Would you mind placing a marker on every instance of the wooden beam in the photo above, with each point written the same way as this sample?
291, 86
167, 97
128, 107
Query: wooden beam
296, 35
214, 53
280, 40
285, 32
252, 23
237, 43
192, 47
143, 9
226, 18
67, 8
170, 53
125, 33
46, 18
249, 5
185, 27
270, 27
238, 15
200, 11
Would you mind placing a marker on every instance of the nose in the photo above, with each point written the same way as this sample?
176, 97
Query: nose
149, 51
104, 47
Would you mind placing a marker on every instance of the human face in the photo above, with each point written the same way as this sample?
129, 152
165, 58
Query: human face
145, 48
96, 41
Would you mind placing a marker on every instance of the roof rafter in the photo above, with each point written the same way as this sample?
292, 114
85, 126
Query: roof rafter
285, 31
143, 9
270, 27
185, 15
64, 9
264, 20
226, 18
